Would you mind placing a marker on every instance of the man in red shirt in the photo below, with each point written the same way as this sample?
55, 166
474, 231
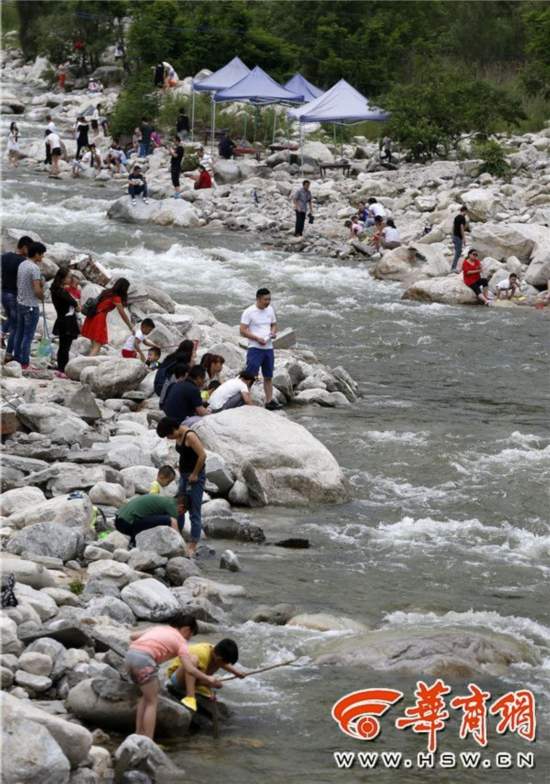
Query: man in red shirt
471, 273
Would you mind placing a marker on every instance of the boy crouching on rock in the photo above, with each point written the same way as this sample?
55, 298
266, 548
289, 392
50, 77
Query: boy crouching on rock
208, 659
148, 649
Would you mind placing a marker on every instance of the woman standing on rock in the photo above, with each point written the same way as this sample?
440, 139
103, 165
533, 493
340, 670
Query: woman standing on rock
66, 324
13, 144
192, 475
95, 327
82, 140
176, 156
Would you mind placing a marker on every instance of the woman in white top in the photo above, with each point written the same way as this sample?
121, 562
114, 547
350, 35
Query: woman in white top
390, 235
13, 144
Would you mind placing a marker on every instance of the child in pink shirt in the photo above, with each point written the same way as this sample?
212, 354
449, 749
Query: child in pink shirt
152, 647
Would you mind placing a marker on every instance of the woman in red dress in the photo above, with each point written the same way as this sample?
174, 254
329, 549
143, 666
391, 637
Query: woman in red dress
95, 327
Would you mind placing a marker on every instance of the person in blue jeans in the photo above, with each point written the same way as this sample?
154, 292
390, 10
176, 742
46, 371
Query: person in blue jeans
30, 293
259, 325
192, 457
9, 264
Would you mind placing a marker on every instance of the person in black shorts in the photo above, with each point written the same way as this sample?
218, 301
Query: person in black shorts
176, 156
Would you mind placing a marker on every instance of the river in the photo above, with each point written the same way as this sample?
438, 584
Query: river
448, 455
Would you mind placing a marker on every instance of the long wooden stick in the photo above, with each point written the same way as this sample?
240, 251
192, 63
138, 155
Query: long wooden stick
262, 669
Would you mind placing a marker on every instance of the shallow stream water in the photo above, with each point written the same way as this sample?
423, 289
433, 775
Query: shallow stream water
448, 455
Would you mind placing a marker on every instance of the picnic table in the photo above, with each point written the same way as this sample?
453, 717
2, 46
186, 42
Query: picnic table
238, 151
345, 166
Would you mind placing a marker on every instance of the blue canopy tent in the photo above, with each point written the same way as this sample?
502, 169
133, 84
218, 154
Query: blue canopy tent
299, 84
259, 88
341, 104
219, 80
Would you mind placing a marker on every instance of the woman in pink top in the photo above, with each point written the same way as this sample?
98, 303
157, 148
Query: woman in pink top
152, 647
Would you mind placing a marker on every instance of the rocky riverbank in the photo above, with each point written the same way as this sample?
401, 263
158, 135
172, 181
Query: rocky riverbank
509, 220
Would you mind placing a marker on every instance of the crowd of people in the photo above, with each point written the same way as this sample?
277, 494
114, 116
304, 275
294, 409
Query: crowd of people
188, 390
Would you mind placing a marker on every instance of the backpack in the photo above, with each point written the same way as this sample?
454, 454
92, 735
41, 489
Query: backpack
165, 388
89, 308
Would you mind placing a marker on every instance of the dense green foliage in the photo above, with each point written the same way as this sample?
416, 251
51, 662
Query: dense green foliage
493, 157
429, 117
403, 54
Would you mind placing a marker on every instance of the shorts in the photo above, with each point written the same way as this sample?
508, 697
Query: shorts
263, 358
478, 285
128, 353
56, 151
141, 666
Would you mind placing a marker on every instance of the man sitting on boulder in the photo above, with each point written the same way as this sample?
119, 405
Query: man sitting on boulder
232, 393
183, 400
137, 185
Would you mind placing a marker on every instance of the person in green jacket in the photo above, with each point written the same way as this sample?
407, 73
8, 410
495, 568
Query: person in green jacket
146, 511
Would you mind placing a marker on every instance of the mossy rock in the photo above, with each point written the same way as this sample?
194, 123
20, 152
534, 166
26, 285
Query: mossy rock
189, 163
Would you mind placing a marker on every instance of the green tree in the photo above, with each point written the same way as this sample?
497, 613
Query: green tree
429, 116
536, 74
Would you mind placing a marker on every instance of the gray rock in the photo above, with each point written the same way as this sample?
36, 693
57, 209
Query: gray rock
108, 494
55, 651
73, 512
111, 705
54, 421
83, 404
109, 74
36, 663
115, 376
138, 753
140, 477
26, 572
278, 614
49, 539
113, 571
32, 683
162, 540
75, 741
229, 560
6, 677
150, 600
95, 552
218, 473
238, 495
37, 760
226, 172
286, 466
20, 498
179, 569
84, 776
145, 560
111, 607
99, 587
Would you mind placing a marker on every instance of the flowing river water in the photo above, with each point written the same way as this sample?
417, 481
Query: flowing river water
448, 455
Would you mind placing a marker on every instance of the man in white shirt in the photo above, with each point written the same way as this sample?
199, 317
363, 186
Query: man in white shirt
53, 144
509, 287
259, 325
232, 394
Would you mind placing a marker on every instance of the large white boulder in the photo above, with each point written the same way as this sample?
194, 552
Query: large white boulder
74, 740
74, 512
226, 172
30, 754
52, 540
279, 460
482, 203
26, 572
54, 421
501, 240
449, 290
165, 212
150, 600
19, 499
318, 152
116, 376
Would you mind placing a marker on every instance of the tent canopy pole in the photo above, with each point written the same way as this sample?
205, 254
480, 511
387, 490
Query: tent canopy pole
192, 114
212, 140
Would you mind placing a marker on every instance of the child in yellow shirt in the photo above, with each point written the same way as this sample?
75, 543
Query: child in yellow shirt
165, 476
208, 659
